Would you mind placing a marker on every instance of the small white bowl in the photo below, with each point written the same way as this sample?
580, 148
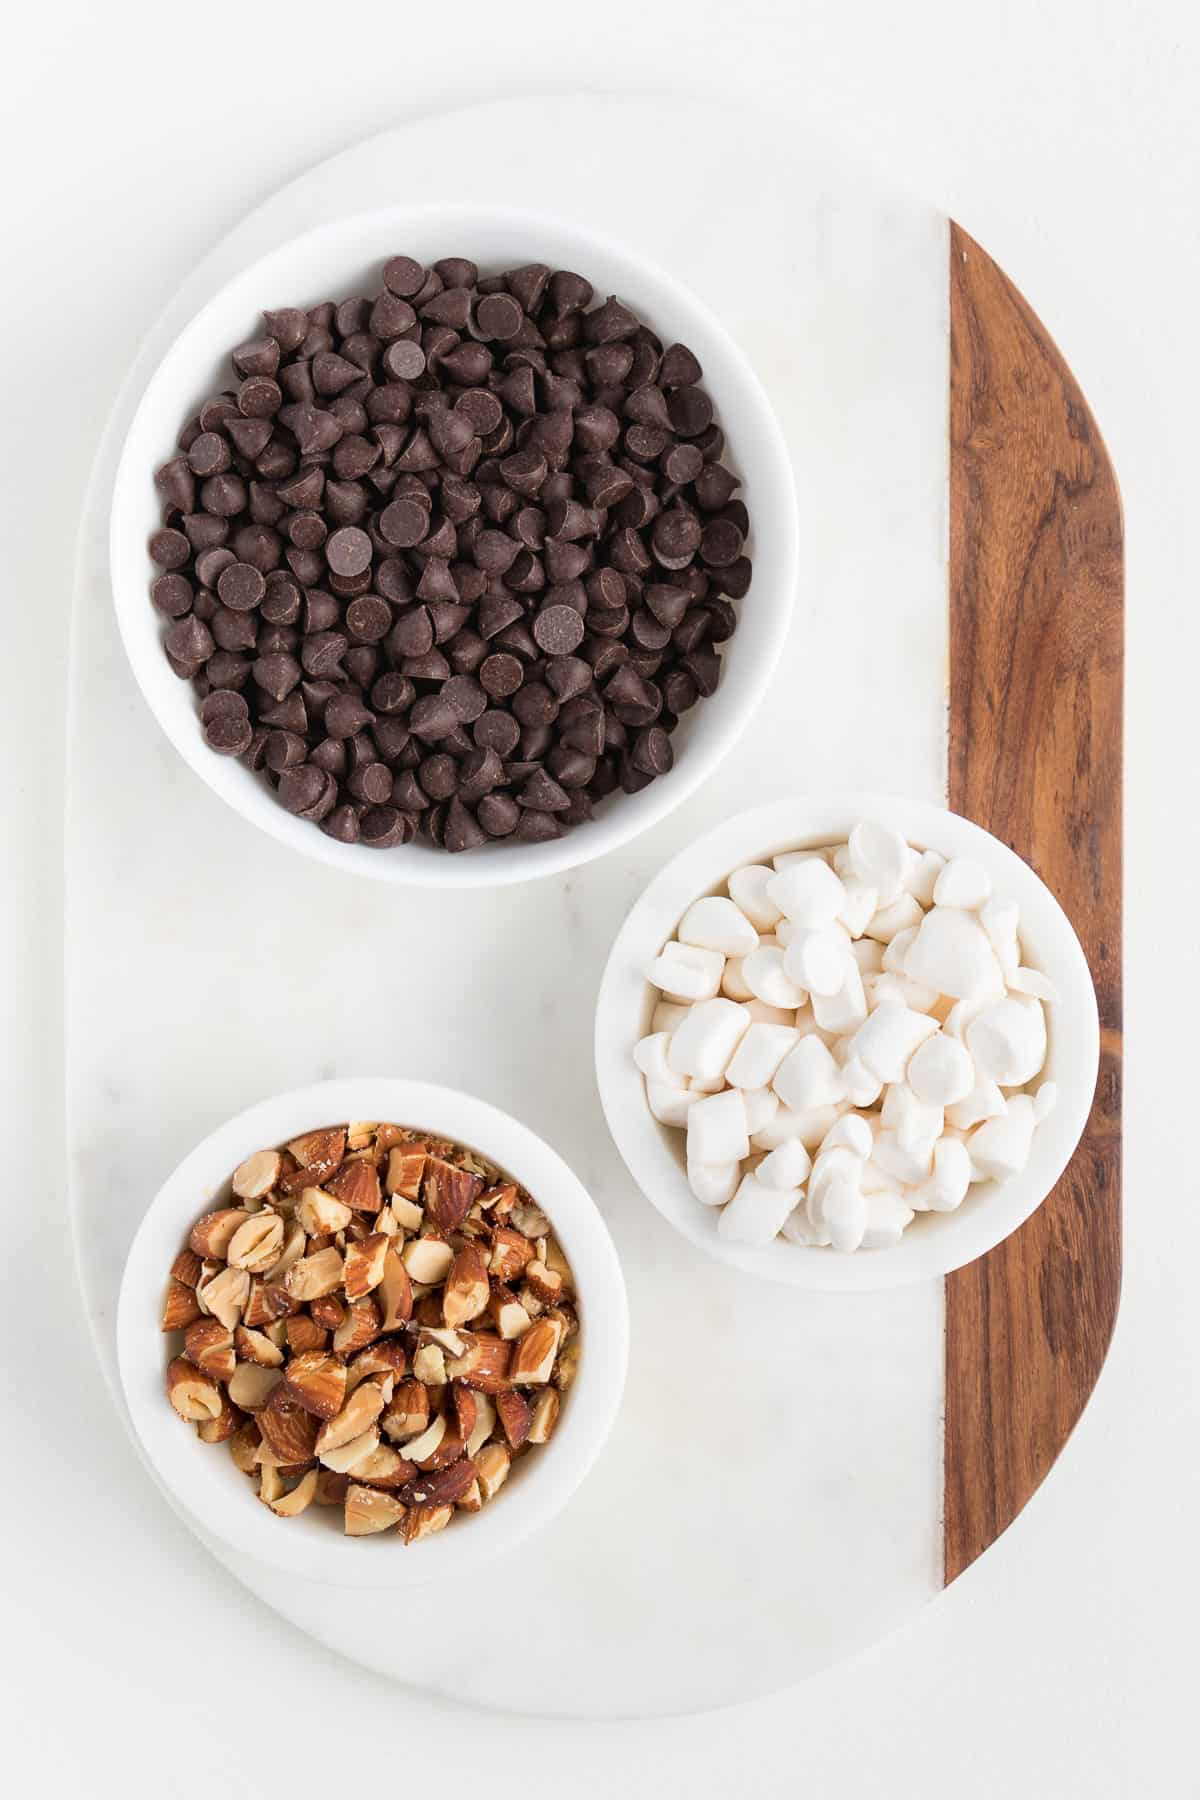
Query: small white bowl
335, 260
202, 1479
935, 1242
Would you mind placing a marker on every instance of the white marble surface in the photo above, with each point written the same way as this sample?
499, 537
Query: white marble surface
770, 1497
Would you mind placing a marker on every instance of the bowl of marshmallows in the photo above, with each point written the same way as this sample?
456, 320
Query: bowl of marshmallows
847, 1044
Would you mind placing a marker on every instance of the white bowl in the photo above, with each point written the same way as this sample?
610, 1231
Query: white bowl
202, 1479
935, 1242
335, 260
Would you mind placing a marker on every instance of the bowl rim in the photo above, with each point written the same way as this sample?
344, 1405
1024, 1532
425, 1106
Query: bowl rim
993, 1211
200, 1484
501, 865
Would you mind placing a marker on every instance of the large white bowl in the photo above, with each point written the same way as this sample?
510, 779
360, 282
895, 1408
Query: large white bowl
935, 1242
202, 1479
335, 260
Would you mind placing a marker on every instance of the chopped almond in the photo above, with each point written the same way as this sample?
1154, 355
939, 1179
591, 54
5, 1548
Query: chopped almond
194, 1395
465, 1294
368, 1510
364, 1265
180, 1306
491, 1466
406, 1166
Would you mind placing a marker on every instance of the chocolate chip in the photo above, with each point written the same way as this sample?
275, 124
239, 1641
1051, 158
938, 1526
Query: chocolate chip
501, 675
403, 276
498, 815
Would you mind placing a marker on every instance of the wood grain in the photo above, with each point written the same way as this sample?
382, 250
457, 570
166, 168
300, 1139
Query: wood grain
1036, 664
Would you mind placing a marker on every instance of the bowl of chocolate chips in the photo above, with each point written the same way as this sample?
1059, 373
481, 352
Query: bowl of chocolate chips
453, 546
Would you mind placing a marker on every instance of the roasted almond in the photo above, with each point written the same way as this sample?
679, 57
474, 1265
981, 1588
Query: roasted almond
359, 1327
187, 1268
466, 1409
271, 1485
545, 1417
180, 1306
429, 1365
350, 1421
408, 1413
448, 1193
483, 1364
395, 1292
440, 1487
314, 1276
251, 1386
369, 1510
567, 1366
294, 1246
321, 1214
545, 1283
498, 1201
427, 1259
510, 1253
288, 1428
472, 1500
328, 1312
302, 1495
225, 1296
228, 1421
423, 1521
420, 1448
256, 1176
360, 1133
491, 1466
383, 1467
320, 1150
257, 1244
243, 1447
465, 1294
317, 1382
304, 1334
529, 1219
209, 1344
485, 1419
364, 1265
386, 1357
533, 1355
343, 1457
211, 1235
515, 1415
506, 1313
331, 1488
194, 1395
256, 1346
356, 1185
406, 1166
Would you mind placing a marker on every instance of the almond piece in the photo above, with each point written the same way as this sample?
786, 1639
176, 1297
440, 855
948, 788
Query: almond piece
364, 1265
423, 1521
545, 1284
465, 1294
515, 1415
448, 1450
302, 1495
429, 1365
187, 1269
406, 1166
384, 1467
498, 1200
314, 1276
384, 1358
294, 1246
419, 1449
427, 1310
225, 1296
368, 1510
407, 1214
327, 1312
256, 1245
472, 1500
251, 1386
448, 1193
360, 1133
320, 1214
466, 1409
194, 1395
321, 1150
568, 1366
444, 1338
408, 1413
427, 1259
440, 1487
209, 1344
331, 1488
317, 1382
533, 1355
388, 1135
492, 1466
395, 1292
358, 1328
510, 1253
243, 1447
228, 1421
530, 1219
545, 1417
555, 1259
361, 1409
256, 1346
342, 1457
304, 1334
211, 1235
507, 1314
356, 1185
485, 1419
270, 1484
289, 1430
483, 1364
256, 1176
180, 1306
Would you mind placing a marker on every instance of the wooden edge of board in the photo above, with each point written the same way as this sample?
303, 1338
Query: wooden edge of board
1035, 728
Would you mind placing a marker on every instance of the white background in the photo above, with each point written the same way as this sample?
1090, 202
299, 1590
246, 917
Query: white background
1066, 139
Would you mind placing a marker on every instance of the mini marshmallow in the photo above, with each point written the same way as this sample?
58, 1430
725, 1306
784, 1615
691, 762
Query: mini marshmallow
887, 1215
852, 1133
716, 1129
876, 1180
985, 1101
879, 858
761, 1106
863, 1086
963, 882
859, 907
686, 972
806, 1025
1000, 1148
1000, 919
888, 1037
765, 976
667, 1017
808, 1127
808, 1076
808, 893
951, 953
707, 1039
946, 1188
733, 982
899, 990
828, 1166
755, 1214
762, 1014
955, 1022
650, 1055
902, 914
1032, 981
797, 1230
916, 1123
1045, 1101
714, 1184
787, 1166
815, 959
785, 858
748, 891
941, 1071
844, 1213
906, 1166
847, 1008
759, 1054
715, 923
895, 951
669, 1104
1007, 1040
700, 1084
868, 955
921, 876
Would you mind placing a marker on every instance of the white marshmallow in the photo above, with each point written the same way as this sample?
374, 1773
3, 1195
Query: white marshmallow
960, 1014
847, 1008
667, 1016
808, 892
828, 1166
844, 1213
785, 858
697, 1085
850, 1132
951, 953
716, 1129
921, 876
859, 907
1000, 1148
809, 1127
797, 1230
1000, 919
755, 1214
787, 1166
868, 955
895, 951
1007, 1040
886, 1219
916, 1123
707, 1039
963, 882
887, 1038
733, 982
1045, 1100
715, 923
686, 972
901, 914
805, 1022
816, 959
876, 1180
941, 1071
906, 1166
840, 862
650, 1055
714, 1183
808, 1076
899, 990
879, 857
946, 1188
1032, 981
748, 891
759, 1054
767, 979
863, 1086
669, 1104
762, 1014
985, 1101
761, 1106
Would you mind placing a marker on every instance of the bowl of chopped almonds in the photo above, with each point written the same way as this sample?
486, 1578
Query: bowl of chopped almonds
374, 1310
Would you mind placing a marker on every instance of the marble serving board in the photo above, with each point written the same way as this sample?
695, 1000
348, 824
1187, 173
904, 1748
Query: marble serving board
772, 1495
